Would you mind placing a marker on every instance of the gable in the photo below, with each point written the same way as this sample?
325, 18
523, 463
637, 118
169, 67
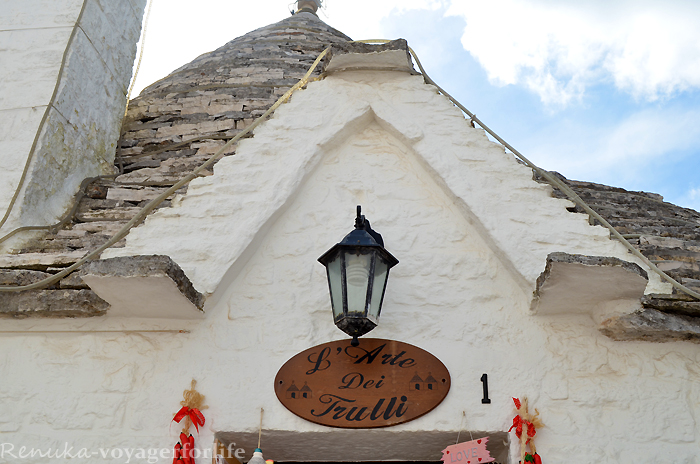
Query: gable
214, 228
437, 247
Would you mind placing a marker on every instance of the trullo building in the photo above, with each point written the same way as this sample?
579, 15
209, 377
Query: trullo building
504, 288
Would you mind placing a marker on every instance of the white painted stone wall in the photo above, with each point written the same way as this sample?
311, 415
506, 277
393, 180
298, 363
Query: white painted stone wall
65, 67
458, 292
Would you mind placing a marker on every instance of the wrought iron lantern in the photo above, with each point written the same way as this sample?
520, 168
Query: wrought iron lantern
358, 269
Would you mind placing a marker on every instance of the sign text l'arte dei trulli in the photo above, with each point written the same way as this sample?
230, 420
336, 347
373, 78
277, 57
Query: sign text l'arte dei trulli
375, 384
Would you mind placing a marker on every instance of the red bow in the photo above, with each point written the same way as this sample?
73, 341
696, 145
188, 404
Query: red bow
518, 424
195, 415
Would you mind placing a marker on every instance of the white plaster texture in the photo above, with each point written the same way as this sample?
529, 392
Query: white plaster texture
39, 14
602, 401
75, 131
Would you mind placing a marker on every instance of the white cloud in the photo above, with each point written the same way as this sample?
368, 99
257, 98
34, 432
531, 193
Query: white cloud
558, 48
691, 199
360, 19
620, 154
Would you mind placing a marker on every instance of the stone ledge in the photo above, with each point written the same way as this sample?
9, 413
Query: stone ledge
582, 284
559, 257
678, 303
653, 326
52, 304
144, 286
391, 56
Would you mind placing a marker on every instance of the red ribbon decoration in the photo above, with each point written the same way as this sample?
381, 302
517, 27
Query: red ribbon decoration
518, 424
195, 415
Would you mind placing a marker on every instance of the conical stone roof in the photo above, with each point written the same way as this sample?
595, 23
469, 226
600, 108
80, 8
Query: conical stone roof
272, 56
214, 97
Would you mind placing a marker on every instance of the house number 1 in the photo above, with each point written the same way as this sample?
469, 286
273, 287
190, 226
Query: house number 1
485, 382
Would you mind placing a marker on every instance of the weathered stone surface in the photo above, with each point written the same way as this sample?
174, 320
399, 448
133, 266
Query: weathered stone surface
114, 214
145, 266
107, 227
136, 195
678, 303
693, 284
17, 277
652, 325
39, 261
95, 190
392, 56
74, 281
51, 304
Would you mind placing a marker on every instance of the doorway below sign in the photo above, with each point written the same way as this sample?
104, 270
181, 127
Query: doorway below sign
368, 446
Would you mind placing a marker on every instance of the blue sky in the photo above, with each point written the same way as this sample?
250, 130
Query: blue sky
602, 91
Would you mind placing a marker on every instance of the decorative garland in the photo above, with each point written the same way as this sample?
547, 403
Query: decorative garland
526, 425
190, 411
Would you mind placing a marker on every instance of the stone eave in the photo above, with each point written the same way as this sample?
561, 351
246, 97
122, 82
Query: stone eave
574, 284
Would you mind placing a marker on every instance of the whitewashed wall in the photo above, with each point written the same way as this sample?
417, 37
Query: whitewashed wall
65, 67
455, 293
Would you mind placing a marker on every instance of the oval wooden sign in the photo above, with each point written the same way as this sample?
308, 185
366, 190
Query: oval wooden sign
376, 384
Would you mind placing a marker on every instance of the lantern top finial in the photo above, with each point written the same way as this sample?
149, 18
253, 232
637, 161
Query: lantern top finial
360, 219
362, 223
363, 236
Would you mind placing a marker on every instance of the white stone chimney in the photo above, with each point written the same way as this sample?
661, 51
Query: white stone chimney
308, 6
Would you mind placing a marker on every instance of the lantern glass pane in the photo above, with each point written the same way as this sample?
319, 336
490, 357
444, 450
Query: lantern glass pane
335, 279
357, 267
381, 270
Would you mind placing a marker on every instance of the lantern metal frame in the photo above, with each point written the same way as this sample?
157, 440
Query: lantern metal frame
358, 245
